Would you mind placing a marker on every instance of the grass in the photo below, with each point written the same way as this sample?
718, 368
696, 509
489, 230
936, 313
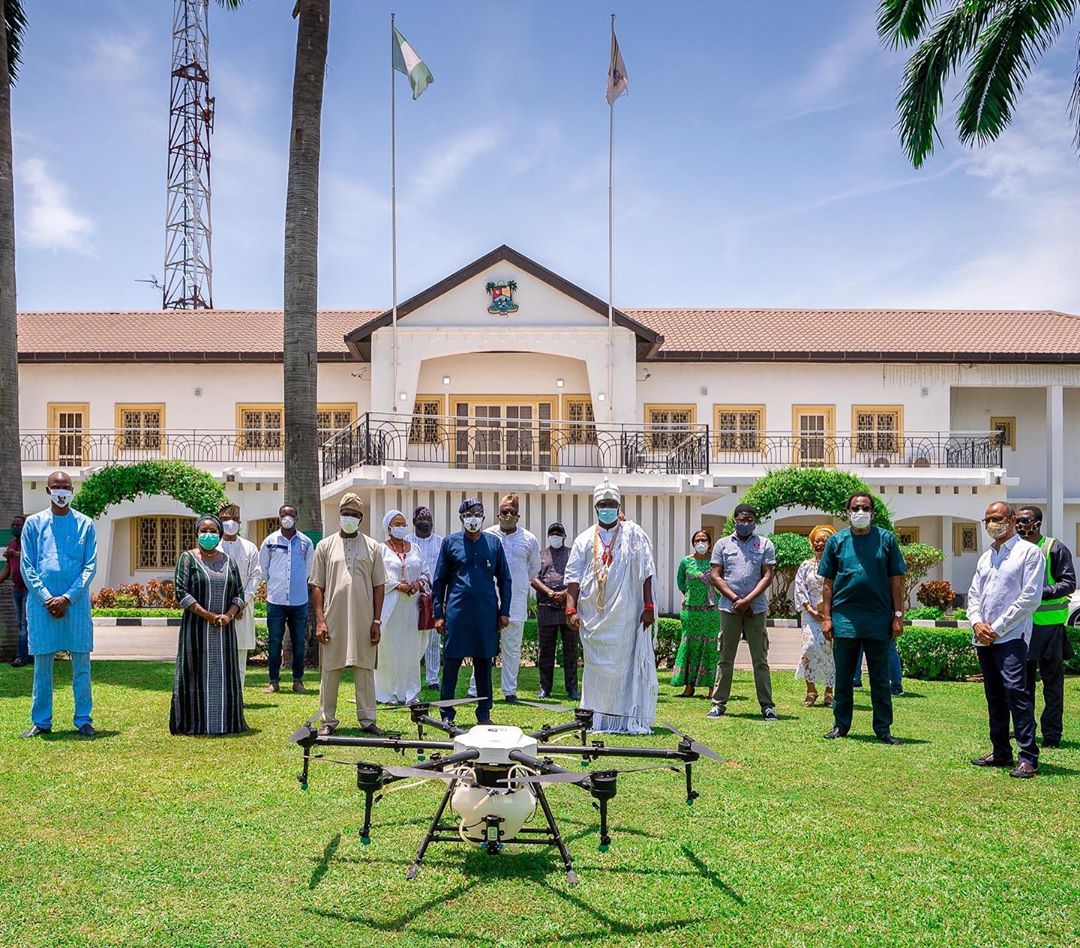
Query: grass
142, 838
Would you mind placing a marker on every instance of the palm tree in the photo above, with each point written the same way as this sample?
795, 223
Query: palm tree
12, 24
996, 41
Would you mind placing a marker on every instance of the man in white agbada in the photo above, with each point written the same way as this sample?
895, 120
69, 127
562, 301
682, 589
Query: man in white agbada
609, 600
245, 555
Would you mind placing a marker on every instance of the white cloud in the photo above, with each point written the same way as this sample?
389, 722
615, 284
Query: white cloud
836, 64
47, 218
449, 161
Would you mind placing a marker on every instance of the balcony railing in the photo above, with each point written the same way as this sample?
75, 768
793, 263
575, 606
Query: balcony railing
79, 447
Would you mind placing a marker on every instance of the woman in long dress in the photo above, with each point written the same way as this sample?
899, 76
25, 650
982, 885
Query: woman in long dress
816, 664
208, 696
397, 676
695, 662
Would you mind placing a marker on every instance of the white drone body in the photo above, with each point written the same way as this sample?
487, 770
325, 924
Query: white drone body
474, 804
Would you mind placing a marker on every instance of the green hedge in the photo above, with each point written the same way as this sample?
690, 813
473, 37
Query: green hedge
948, 655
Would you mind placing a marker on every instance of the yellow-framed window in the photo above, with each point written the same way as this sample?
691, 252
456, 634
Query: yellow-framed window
579, 418
427, 410
669, 425
965, 538
69, 424
878, 429
334, 418
907, 534
1007, 425
140, 427
157, 542
260, 427
739, 427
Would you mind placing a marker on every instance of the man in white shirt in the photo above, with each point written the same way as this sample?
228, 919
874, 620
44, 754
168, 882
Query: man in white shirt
245, 555
285, 559
1005, 592
522, 551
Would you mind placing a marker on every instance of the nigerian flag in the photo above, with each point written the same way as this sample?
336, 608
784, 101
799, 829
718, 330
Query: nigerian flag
408, 62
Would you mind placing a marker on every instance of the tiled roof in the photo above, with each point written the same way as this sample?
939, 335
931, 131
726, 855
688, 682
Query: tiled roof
964, 335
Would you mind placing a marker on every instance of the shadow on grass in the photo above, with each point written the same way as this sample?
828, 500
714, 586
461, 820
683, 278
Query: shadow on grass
396, 923
1056, 770
53, 736
751, 716
324, 863
874, 739
147, 676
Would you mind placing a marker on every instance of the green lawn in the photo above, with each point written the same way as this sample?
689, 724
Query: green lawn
142, 838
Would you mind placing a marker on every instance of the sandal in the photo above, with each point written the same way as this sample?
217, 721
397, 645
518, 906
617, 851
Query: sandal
828, 701
811, 699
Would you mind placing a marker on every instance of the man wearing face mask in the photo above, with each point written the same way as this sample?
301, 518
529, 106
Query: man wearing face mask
550, 586
522, 551
245, 555
11, 570
742, 570
348, 582
862, 606
609, 598
428, 542
1050, 646
59, 560
284, 560
472, 591
1005, 592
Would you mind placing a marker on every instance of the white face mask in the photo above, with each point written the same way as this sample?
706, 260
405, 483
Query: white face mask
61, 496
350, 525
399, 533
472, 524
701, 547
555, 542
231, 526
998, 529
288, 522
860, 519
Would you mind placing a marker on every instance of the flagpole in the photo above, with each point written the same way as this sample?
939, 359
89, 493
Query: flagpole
611, 242
393, 212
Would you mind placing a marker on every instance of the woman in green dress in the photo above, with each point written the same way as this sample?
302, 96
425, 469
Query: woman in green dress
695, 662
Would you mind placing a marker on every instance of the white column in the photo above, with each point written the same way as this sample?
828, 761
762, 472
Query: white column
947, 549
1054, 521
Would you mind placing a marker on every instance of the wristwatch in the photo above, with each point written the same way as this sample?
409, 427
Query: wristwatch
376, 621
898, 615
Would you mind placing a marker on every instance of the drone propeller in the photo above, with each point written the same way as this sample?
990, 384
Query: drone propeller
302, 733
640, 770
696, 746
424, 774
553, 708
567, 777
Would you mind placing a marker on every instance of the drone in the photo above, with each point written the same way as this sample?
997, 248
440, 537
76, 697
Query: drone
495, 776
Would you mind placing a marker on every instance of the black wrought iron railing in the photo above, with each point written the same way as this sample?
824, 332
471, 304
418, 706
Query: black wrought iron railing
79, 447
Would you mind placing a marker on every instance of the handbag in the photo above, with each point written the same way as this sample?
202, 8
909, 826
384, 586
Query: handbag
426, 616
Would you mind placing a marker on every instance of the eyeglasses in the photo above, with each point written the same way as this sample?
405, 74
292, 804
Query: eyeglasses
1026, 521
862, 508
998, 519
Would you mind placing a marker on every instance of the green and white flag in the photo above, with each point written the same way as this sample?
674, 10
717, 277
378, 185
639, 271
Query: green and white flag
408, 62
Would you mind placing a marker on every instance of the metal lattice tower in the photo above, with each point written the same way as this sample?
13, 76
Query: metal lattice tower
188, 267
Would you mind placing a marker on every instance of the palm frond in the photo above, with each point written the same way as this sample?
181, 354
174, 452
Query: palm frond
15, 21
902, 22
1007, 50
1074, 99
230, 4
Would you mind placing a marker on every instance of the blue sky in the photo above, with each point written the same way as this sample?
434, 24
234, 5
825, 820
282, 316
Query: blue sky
756, 159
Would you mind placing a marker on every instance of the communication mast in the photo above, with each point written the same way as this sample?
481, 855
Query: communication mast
188, 267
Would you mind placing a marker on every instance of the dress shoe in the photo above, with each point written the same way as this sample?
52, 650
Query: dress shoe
298, 687
19, 663
86, 730
1024, 770
834, 734
273, 688
574, 696
511, 699
485, 721
34, 731
373, 730
327, 729
1051, 742
542, 694
991, 761
888, 739
716, 711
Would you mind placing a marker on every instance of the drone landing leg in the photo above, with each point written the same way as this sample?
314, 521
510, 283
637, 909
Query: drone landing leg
691, 793
605, 837
430, 835
571, 876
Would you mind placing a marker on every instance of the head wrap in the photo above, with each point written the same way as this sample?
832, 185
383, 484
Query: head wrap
822, 530
216, 520
557, 527
606, 491
390, 514
468, 504
510, 500
230, 510
351, 499
421, 513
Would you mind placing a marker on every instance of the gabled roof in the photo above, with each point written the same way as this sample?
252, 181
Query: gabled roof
648, 340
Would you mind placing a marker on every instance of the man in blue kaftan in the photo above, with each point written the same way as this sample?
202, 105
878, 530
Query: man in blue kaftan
472, 592
59, 560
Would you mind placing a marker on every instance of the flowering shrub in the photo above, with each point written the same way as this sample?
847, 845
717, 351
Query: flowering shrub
936, 592
156, 594
104, 598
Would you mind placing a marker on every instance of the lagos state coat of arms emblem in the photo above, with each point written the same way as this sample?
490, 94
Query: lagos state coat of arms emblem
502, 297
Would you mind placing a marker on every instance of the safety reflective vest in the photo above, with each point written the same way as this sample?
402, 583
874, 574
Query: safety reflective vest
1051, 611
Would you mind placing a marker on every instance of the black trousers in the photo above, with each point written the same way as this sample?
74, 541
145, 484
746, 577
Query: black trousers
1004, 670
846, 655
548, 636
482, 668
1052, 673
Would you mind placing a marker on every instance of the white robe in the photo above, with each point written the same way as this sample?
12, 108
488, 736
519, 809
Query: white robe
397, 677
245, 555
620, 664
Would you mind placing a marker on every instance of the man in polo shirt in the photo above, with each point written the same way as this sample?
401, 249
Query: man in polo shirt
863, 607
284, 559
742, 569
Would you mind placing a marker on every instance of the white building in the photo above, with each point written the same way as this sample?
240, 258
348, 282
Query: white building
683, 408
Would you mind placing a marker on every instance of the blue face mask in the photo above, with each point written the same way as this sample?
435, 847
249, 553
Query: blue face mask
744, 530
608, 516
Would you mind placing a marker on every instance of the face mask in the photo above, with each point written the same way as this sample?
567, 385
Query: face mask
472, 524
209, 541
508, 521
998, 529
1028, 529
423, 528
232, 527
860, 519
350, 525
744, 530
288, 522
555, 541
701, 547
399, 533
608, 516
60, 496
